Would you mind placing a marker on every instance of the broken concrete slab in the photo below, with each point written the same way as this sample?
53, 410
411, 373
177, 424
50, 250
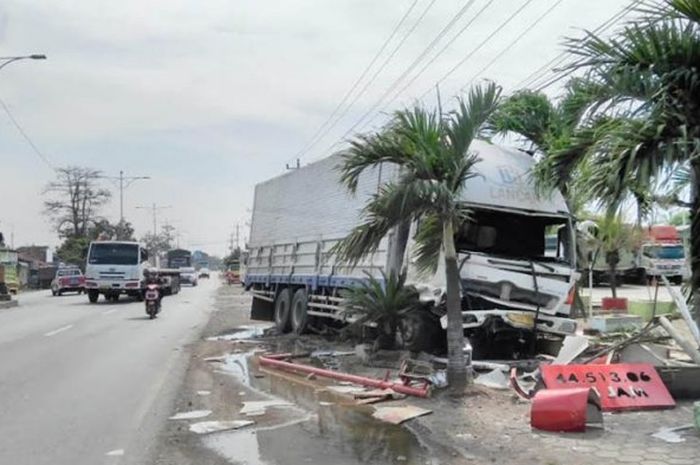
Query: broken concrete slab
572, 347
206, 427
495, 379
612, 323
653, 354
191, 415
398, 415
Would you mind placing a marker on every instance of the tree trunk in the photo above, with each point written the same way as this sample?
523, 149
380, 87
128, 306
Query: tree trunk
456, 362
612, 258
695, 238
613, 282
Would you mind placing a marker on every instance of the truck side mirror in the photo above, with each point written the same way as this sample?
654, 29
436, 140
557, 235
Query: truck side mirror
144, 255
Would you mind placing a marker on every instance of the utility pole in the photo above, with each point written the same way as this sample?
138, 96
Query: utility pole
238, 245
124, 183
154, 211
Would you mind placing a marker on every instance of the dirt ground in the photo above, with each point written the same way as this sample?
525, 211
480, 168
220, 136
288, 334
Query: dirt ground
322, 426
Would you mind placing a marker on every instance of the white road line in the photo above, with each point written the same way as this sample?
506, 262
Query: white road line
109, 311
59, 330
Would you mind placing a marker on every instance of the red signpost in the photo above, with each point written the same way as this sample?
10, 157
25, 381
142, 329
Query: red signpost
620, 386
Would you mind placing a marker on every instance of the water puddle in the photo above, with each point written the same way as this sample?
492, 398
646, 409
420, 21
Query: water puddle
340, 435
244, 332
327, 432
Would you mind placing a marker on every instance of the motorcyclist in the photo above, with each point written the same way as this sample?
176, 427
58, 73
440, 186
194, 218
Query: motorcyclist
151, 276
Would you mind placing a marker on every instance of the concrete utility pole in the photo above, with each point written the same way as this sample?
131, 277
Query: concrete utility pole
154, 210
124, 183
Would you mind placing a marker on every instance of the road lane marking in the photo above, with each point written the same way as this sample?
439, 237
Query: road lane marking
109, 311
115, 453
59, 330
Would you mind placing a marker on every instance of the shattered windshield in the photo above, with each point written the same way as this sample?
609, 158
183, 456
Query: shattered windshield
515, 235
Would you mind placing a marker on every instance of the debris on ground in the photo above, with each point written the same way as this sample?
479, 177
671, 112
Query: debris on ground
495, 379
566, 410
206, 427
397, 415
259, 407
671, 434
191, 415
572, 347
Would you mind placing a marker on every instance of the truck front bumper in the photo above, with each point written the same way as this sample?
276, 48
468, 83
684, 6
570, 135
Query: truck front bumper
113, 287
521, 319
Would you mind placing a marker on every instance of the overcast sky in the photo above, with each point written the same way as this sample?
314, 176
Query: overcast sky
210, 98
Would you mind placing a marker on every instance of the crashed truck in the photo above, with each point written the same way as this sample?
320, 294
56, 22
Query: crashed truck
508, 282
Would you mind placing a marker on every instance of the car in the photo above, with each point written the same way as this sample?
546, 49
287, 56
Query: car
188, 275
204, 273
68, 280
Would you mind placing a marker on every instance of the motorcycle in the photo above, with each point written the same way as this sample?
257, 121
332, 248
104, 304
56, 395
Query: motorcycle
152, 299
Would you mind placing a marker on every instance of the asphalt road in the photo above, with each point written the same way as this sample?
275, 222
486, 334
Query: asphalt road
88, 383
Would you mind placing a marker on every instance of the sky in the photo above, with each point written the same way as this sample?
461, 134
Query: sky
210, 98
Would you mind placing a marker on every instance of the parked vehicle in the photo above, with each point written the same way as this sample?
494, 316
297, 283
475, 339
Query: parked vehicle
116, 267
188, 275
509, 282
663, 254
68, 279
593, 260
204, 273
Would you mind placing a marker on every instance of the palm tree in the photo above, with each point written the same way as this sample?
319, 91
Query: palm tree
432, 152
382, 301
646, 75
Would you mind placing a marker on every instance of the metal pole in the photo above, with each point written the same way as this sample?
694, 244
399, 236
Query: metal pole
121, 196
155, 230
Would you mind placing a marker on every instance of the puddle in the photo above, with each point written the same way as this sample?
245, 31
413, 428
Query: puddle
331, 433
339, 435
243, 332
236, 365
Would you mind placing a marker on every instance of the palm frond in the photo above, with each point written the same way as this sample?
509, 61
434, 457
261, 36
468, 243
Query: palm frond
471, 117
529, 114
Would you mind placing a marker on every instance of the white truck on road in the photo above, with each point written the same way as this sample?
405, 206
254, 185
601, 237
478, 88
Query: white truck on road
114, 268
511, 290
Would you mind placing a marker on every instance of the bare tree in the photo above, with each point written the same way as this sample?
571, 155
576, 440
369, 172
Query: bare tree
75, 199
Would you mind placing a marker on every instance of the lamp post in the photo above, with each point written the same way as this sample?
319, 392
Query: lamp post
4, 61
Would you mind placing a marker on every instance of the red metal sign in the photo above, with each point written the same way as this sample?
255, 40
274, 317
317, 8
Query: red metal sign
621, 386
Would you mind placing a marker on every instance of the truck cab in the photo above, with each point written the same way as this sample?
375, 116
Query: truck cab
114, 268
663, 254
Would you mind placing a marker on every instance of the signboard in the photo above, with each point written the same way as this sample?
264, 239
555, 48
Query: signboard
620, 386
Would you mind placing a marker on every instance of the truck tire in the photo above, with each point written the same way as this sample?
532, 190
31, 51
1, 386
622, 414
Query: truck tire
93, 296
420, 332
299, 311
283, 306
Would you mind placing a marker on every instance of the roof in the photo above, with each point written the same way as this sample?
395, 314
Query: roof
504, 181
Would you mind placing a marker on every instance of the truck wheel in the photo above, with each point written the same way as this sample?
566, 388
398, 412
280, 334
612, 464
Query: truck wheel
299, 311
420, 332
282, 310
54, 292
93, 296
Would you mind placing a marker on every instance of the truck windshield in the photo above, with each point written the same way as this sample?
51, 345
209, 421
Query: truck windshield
673, 252
514, 235
114, 254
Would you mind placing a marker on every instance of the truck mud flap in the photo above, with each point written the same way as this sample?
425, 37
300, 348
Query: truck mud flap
261, 309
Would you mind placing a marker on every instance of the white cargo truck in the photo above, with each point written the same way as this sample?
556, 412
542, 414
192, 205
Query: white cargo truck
114, 268
508, 280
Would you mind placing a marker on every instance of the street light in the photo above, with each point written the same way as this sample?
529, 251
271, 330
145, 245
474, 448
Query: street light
124, 182
7, 60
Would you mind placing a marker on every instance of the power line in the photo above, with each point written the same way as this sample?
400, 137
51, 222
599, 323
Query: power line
437, 55
25, 135
478, 47
513, 42
312, 141
377, 72
417, 61
541, 72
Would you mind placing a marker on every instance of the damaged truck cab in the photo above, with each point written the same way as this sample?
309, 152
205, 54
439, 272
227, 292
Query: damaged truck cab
509, 278
512, 291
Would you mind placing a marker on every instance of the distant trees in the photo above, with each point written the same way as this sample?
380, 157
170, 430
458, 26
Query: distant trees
74, 200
